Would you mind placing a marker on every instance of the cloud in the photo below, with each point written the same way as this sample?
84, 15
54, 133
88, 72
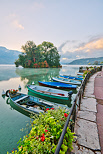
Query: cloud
13, 20
93, 45
68, 46
71, 50
17, 24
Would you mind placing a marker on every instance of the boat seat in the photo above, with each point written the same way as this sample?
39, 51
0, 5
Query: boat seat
20, 99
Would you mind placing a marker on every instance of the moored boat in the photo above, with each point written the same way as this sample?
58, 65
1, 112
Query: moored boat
29, 104
57, 85
71, 77
79, 73
67, 81
80, 76
50, 94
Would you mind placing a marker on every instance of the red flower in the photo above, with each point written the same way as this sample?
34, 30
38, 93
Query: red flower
47, 109
65, 114
42, 134
37, 137
42, 138
52, 108
46, 131
21, 147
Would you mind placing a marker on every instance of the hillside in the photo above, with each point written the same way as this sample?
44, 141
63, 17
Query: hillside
86, 61
8, 56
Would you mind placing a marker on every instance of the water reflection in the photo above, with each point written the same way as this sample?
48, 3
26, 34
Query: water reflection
35, 75
9, 70
8, 101
3, 96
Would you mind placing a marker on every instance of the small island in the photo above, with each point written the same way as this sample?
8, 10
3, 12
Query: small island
44, 55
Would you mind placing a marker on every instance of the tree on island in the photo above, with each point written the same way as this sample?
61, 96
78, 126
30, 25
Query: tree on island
43, 55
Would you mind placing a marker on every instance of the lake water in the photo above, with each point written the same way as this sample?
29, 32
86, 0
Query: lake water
12, 121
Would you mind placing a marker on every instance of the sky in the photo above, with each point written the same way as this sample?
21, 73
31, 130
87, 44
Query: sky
75, 27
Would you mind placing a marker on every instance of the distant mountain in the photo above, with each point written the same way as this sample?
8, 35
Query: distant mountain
86, 61
8, 56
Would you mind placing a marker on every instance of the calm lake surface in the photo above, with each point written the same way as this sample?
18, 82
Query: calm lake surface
12, 121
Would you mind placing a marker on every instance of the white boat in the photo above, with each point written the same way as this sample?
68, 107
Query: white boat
68, 81
72, 77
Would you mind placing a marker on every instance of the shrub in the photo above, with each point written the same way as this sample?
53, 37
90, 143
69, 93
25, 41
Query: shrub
45, 133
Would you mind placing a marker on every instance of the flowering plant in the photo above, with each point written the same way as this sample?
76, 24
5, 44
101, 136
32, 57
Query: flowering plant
13, 91
45, 133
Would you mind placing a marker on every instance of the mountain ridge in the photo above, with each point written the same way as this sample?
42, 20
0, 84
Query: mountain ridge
86, 61
8, 56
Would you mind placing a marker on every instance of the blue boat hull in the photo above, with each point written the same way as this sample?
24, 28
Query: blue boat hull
58, 85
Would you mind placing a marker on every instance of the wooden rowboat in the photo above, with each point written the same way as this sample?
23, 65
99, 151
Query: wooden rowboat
28, 104
79, 73
71, 77
50, 94
57, 85
67, 81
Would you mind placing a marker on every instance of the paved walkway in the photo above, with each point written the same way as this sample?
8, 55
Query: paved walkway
89, 123
98, 92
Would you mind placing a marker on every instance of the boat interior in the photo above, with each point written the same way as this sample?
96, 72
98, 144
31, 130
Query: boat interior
28, 101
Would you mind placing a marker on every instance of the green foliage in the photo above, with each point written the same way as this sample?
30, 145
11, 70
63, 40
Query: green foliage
101, 62
33, 55
84, 74
17, 63
89, 70
45, 133
50, 54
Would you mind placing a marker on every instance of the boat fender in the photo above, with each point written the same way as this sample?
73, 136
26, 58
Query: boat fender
70, 92
7, 93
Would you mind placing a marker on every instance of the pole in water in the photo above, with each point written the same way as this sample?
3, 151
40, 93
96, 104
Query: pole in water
3, 93
19, 87
33, 83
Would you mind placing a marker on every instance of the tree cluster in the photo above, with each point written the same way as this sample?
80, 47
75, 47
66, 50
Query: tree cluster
43, 55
